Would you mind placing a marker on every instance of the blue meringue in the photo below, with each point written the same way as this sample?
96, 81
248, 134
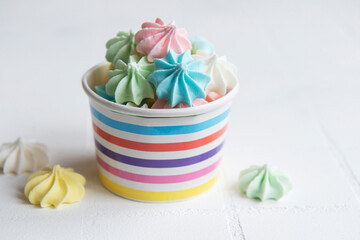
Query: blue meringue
101, 91
179, 78
201, 43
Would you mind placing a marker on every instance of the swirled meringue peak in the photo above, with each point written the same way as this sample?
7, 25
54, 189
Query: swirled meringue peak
202, 44
120, 47
53, 187
179, 78
19, 157
156, 39
223, 73
263, 183
128, 81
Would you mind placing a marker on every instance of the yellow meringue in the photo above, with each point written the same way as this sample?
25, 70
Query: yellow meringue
53, 187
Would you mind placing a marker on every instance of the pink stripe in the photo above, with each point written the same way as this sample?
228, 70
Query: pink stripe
157, 179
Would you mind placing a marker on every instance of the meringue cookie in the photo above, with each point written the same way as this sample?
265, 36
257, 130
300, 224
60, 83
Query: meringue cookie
156, 39
159, 104
201, 43
131, 104
223, 74
100, 90
179, 78
199, 102
53, 187
19, 157
127, 82
212, 96
263, 182
120, 47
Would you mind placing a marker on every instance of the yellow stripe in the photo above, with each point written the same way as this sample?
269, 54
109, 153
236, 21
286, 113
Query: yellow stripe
155, 196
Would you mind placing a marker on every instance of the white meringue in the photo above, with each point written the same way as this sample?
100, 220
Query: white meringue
19, 157
223, 74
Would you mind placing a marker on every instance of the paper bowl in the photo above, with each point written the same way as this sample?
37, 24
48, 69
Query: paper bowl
156, 155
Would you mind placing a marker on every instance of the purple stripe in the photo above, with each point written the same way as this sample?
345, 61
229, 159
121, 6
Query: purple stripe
162, 163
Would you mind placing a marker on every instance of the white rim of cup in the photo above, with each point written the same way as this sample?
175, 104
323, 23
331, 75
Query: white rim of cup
148, 112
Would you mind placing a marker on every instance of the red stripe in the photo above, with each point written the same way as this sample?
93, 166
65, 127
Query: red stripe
158, 147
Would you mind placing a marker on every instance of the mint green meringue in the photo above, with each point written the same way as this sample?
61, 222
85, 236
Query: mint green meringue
120, 47
128, 82
263, 182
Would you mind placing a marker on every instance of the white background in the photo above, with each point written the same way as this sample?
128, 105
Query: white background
298, 109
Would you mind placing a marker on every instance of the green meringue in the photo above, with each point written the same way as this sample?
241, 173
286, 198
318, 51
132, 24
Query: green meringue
263, 182
120, 47
128, 81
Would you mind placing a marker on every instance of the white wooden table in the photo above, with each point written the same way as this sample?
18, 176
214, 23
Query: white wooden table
298, 109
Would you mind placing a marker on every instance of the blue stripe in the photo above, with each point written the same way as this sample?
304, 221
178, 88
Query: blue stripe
158, 163
158, 130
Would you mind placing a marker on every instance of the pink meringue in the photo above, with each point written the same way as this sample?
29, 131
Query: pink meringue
212, 96
159, 104
199, 101
156, 39
164, 104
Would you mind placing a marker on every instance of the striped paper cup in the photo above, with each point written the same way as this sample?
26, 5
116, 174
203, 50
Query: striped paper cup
156, 155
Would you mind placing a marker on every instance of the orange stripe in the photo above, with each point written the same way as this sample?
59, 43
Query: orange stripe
158, 147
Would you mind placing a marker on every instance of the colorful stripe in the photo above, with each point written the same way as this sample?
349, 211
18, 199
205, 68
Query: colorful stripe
159, 171
157, 187
151, 196
163, 163
159, 130
159, 138
158, 147
157, 179
164, 120
159, 155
